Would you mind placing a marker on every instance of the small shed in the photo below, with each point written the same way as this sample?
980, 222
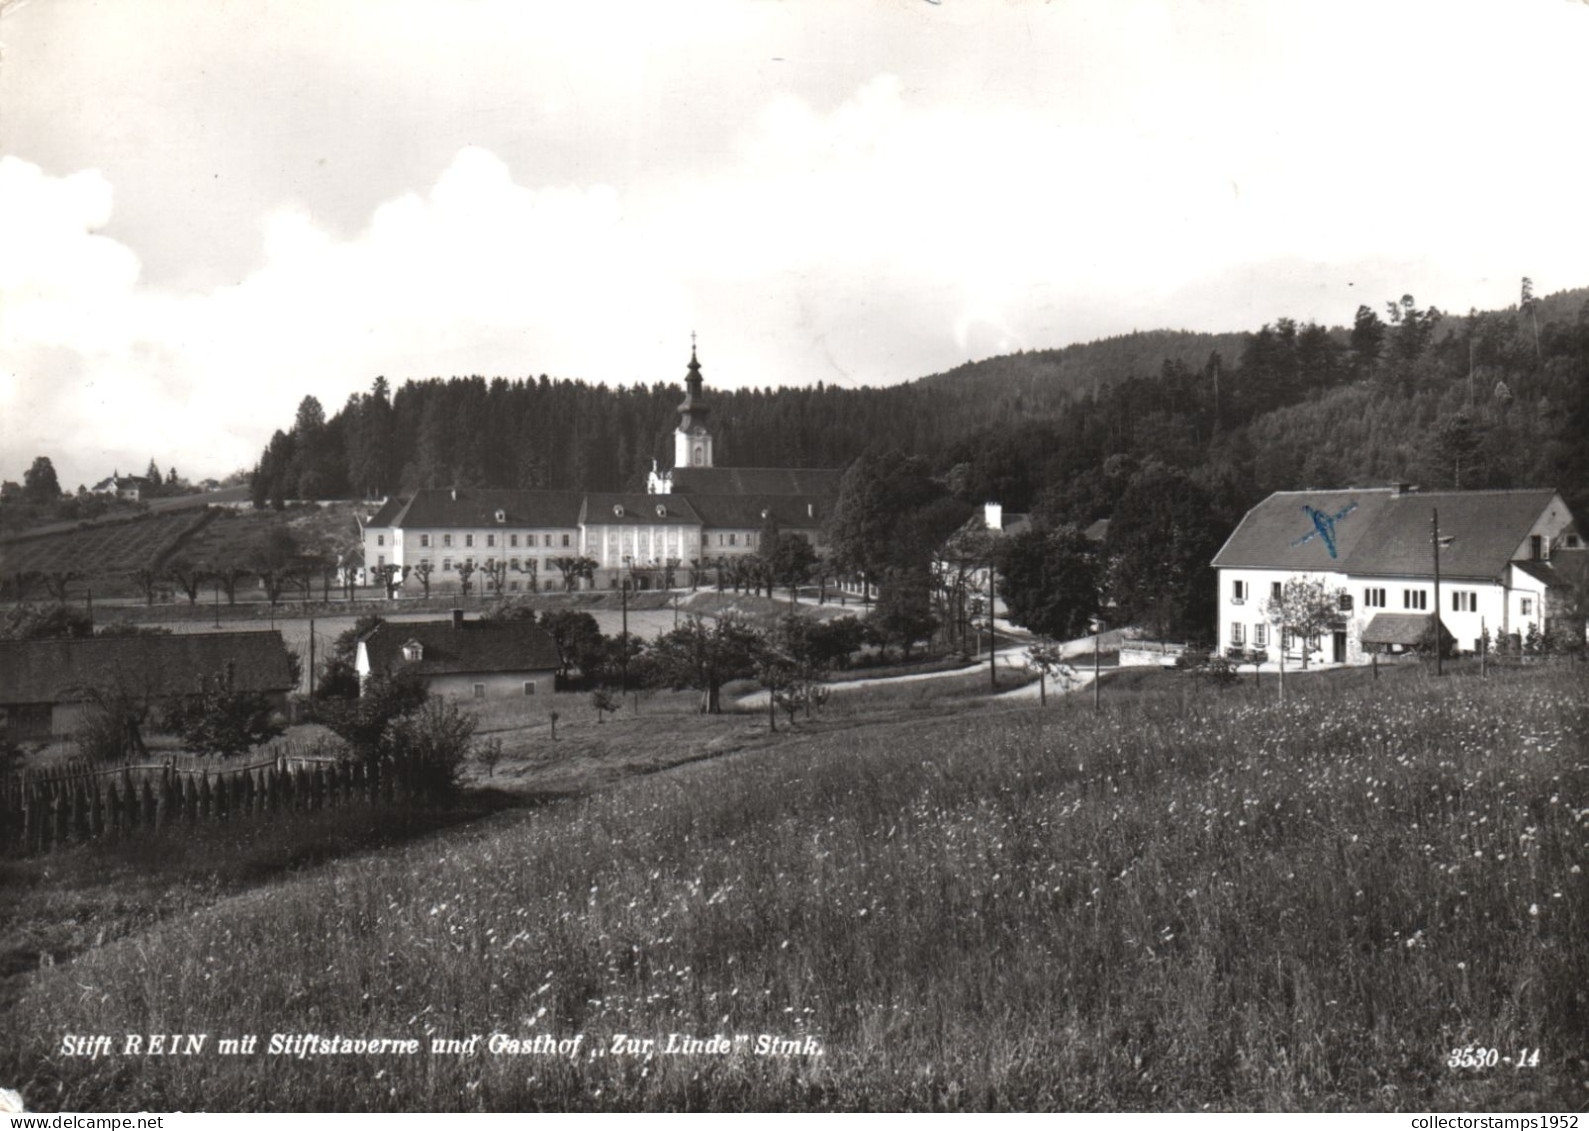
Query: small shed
1399, 632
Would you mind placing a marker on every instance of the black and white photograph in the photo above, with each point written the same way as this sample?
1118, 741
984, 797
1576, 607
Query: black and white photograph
796, 556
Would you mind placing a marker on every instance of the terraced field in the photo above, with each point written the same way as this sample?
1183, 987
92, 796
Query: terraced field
115, 547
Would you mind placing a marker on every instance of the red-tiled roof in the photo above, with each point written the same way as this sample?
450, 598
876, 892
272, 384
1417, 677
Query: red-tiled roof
57, 671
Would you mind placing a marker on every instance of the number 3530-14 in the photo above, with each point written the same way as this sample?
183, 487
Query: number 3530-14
1473, 1056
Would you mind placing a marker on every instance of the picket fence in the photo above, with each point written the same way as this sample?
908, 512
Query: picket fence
44, 810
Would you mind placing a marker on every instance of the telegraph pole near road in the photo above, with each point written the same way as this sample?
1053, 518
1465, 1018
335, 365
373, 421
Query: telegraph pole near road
1434, 521
993, 638
1097, 643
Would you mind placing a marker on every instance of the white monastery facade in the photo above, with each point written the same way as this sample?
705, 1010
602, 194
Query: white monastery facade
694, 513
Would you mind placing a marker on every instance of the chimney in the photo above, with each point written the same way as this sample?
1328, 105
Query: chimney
993, 515
457, 618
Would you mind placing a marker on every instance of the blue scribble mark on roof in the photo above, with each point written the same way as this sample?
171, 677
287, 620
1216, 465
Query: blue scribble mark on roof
1324, 525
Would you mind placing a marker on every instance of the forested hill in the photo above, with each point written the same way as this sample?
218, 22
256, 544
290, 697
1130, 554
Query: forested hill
1407, 393
1049, 377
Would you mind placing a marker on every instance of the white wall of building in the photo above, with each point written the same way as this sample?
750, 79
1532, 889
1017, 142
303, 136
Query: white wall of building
1467, 608
642, 544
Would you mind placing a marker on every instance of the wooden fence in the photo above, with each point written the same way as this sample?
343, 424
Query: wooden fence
44, 810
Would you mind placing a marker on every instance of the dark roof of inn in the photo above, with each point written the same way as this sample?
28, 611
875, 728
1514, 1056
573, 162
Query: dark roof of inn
1379, 531
793, 512
613, 508
1282, 532
57, 671
813, 481
1480, 532
478, 646
471, 507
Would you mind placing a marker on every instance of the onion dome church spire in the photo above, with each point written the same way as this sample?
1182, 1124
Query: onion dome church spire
692, 442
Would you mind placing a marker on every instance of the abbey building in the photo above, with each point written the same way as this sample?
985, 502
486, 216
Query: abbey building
692, 516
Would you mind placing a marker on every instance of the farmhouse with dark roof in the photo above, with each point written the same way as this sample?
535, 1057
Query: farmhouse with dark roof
1507, 560
476, 659
46, 685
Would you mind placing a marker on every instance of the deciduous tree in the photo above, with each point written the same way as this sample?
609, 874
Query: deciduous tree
705, 658
39, 482
1307, 606
220, 719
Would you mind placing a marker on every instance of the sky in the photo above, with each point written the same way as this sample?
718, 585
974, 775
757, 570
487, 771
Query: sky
212, 208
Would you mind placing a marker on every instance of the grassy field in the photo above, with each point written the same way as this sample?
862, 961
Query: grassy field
1186, 900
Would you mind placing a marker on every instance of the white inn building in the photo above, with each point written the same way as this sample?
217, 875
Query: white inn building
1507, 559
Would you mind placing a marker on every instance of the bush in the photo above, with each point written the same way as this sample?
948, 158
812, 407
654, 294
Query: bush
112, 725
366, 723
1218, 671
1207, 667
222, 720
435, 741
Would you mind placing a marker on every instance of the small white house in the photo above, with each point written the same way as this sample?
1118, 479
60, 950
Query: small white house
462, 658
1505, 558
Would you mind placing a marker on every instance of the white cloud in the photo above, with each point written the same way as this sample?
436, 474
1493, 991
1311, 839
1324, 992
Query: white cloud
882, 235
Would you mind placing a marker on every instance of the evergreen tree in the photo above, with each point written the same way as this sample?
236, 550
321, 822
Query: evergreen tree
1161, 541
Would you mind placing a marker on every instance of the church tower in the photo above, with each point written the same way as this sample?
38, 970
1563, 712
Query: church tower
692, 442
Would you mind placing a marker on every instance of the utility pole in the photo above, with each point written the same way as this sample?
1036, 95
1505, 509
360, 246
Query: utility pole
1434, 522
311, 657
1097, 635
623, 647
993, 638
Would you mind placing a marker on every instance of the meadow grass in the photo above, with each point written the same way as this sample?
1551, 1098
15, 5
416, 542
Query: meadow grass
1181, 901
